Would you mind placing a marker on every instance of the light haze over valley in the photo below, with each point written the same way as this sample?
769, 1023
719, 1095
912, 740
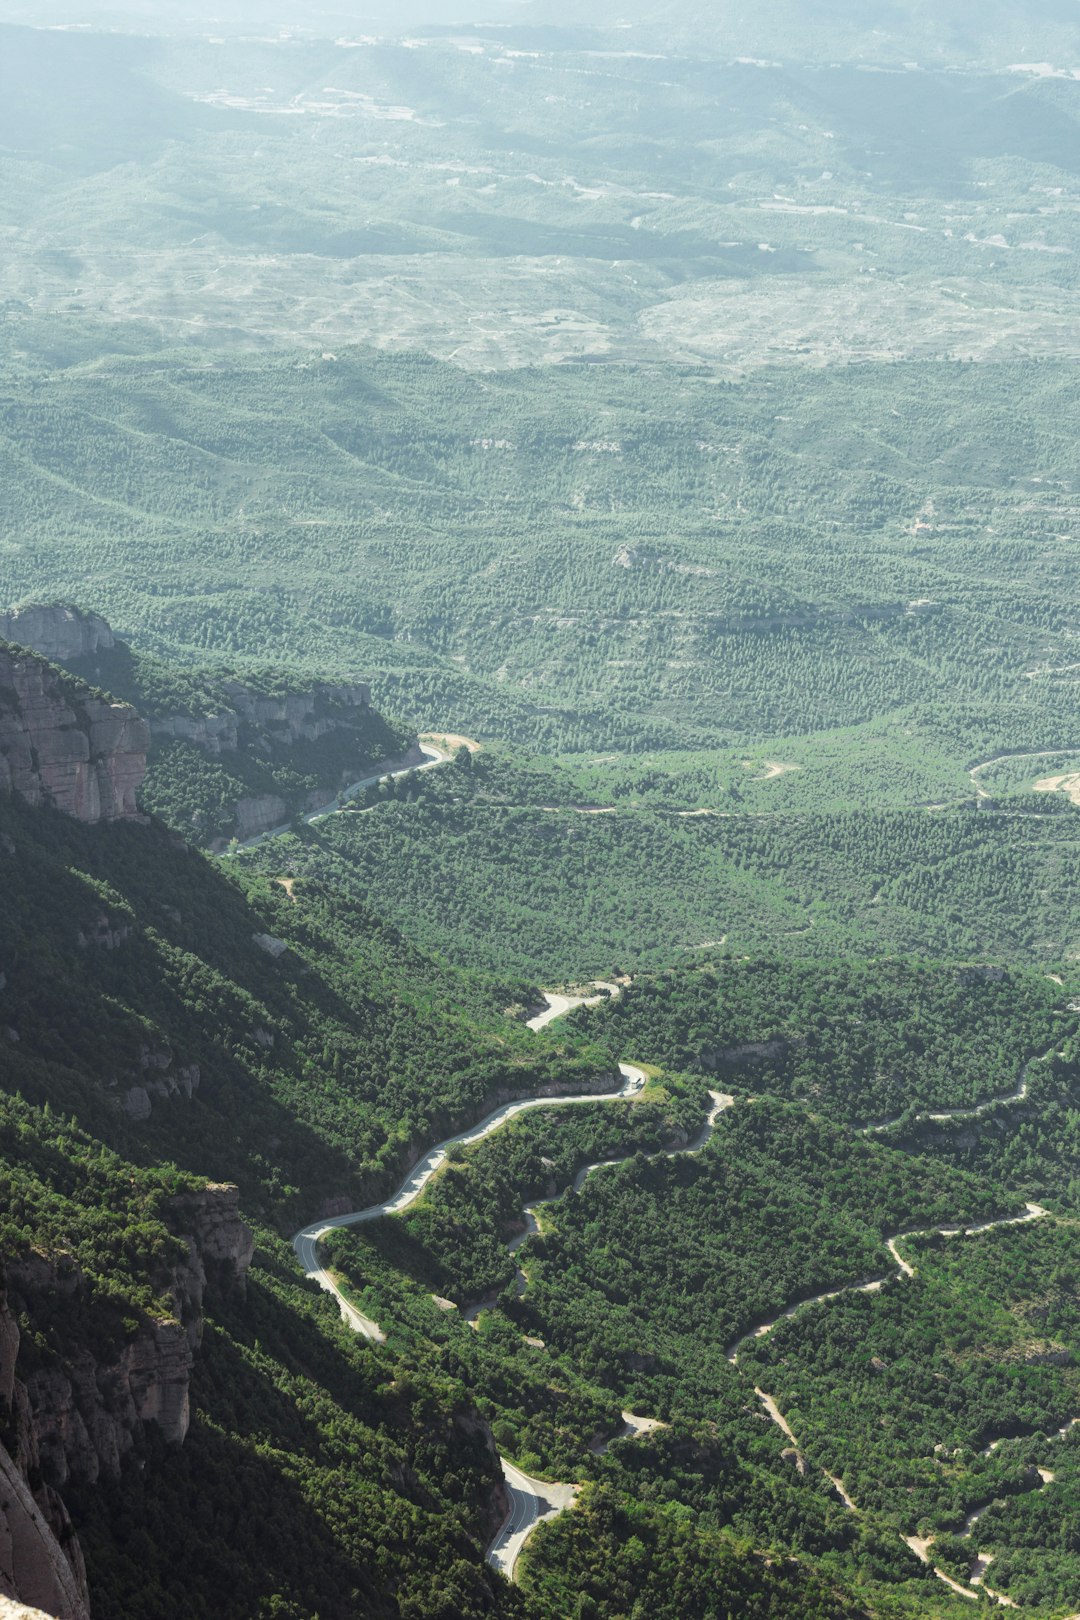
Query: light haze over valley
539, 793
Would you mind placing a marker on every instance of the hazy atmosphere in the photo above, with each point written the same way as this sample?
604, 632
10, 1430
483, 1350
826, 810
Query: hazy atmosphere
539, 810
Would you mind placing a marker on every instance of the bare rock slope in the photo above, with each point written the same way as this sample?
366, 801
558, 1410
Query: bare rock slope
62, 744
75, 1416
56, 630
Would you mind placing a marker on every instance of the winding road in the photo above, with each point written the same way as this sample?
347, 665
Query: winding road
973, 1112
980, 1564
720, 1101
558, 1003
306, 1242
531, 1500
975, 771
433, 755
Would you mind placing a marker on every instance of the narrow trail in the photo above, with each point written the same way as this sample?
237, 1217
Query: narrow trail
919, 1545
1017, 1095
531, 1500
902, 1268
550, 1500
975, 771
307, 1240
981, 1562
1004, 1439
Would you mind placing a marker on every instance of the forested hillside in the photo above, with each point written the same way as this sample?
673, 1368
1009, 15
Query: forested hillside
142, 996
539, 785
538, 556
302, 1052
504, 864
245, 1026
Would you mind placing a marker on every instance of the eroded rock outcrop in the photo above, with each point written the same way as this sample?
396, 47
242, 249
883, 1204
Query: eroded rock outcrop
41, 1562
289, 718
749, 1053
62, 744
89, 1414
160, 1077
257, 813
75, 1414
56, 630
221, 1243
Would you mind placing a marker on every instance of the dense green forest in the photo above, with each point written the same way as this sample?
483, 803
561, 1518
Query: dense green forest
502, 865
303, 1448
334, 1062
675, 414
254, 1019
922, 1405
317, 1478
859, 1041
63, 1192
665, 596
640, 1283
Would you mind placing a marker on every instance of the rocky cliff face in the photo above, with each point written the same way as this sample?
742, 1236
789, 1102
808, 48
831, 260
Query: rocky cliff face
10, 1609
77, 1415
162, 1077
220, 1244
96, 779
79, 752
64, 634
257, 813
40, 1558
293, 717
57, 632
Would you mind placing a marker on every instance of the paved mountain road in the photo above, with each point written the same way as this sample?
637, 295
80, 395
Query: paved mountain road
531, 1501
306, 1242
558, 1004
433, 755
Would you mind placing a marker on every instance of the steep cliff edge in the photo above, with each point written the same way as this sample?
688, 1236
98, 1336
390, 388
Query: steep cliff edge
273, 718
56, 630
231, 754
63, 744
73, 1406
216, 710
40, 1559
